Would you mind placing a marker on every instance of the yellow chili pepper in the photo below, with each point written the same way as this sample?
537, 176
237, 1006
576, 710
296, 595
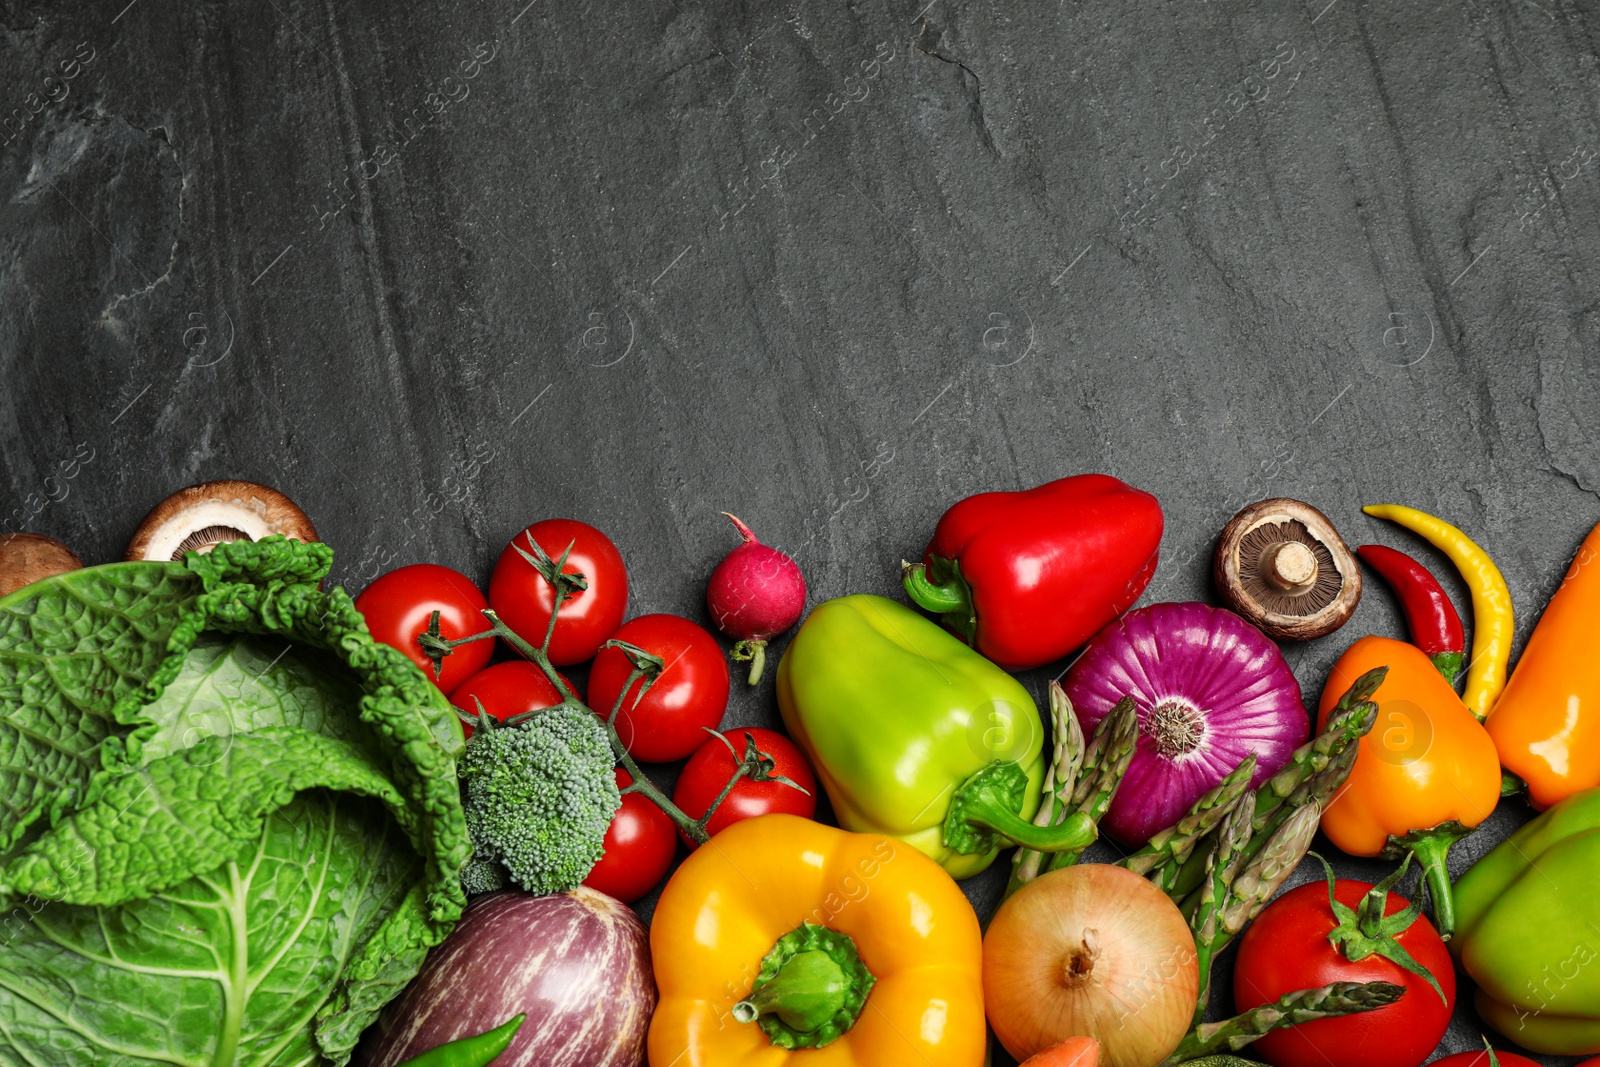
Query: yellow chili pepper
1492, 622
1547, 723
786, 942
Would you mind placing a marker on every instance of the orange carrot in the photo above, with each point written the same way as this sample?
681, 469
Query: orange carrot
1073, 1052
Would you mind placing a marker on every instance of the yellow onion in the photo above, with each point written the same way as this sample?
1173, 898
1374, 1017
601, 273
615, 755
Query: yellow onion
1090, 951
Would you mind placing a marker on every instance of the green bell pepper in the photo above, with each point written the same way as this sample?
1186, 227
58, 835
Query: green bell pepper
1528, 930
916, 736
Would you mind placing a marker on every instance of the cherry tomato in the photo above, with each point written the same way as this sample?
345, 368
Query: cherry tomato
397, 606
523, 599
690, 695
506, 689
709, 769
640, 844
1480, 1058
1287, 948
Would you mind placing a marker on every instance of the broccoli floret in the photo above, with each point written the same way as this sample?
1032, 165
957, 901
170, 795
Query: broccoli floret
538, 798
483, 875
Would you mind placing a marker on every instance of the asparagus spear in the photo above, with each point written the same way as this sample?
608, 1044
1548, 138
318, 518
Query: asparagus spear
1060, 780
1236, 888
1164, 854
1261, 878
1291, 1009
1215, 893
1313, 795
1246, 859
1105, 761
1348, 721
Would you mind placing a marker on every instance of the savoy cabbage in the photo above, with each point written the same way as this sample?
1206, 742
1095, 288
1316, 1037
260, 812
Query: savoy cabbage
230, 827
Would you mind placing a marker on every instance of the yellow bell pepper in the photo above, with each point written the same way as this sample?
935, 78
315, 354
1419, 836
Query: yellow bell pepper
1546, 725
786, 943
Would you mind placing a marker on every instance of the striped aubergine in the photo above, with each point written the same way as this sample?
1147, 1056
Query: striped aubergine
578, 963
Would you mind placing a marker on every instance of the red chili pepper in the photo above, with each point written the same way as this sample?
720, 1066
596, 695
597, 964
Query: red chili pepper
1435, 626
1027, 577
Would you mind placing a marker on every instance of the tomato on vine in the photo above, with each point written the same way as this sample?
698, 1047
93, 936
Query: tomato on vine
593, 594
639, 847
504, 690
1347, 931
398, 605
688, 697
786, 783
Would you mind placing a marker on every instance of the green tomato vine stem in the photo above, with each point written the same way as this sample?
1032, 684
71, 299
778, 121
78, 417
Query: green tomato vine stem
754, 764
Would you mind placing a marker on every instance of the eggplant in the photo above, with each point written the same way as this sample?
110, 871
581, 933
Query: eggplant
577, 963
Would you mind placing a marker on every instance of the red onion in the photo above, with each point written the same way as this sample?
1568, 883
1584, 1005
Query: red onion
1211, 689
578, 963
755, 594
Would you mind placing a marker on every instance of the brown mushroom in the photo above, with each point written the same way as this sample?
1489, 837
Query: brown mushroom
1282, 565
203, 516
26, 558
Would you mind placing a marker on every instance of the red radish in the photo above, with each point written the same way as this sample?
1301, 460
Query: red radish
755, 594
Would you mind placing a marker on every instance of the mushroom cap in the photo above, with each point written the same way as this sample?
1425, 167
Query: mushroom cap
26, 558
202, 516
1282, 565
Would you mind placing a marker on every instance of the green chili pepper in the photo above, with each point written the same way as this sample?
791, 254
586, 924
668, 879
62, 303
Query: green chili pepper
479, 1051
916, 736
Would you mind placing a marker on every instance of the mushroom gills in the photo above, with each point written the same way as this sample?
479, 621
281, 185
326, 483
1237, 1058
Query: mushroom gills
207, 539
201, 517
1285, 569
205, 525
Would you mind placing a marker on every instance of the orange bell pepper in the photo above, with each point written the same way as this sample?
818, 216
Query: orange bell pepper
1546, 724
1426, 774
786, 943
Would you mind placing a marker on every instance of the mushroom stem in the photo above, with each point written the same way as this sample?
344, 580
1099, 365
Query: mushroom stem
1289, 565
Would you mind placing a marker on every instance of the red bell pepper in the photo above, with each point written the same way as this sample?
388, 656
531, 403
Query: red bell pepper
1027, 577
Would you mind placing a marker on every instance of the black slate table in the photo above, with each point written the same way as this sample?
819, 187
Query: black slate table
439, 271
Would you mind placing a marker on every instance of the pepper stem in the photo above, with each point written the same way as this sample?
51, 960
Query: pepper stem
984, 816
810, 990
944, 592
943, 597
755, 651
1449, 664
1432, 848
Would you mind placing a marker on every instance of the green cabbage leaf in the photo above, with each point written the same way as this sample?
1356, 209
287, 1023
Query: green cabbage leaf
230, 827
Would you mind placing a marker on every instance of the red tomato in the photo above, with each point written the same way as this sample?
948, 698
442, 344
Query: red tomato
506, 689
1287, 948
1481, 1059
640, 844
523, 599
709, 769
691, 694
397, 605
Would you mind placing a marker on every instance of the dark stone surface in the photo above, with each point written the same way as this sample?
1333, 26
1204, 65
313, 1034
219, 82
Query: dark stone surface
831, 267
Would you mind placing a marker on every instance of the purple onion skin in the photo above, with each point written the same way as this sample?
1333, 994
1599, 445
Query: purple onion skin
577, 963
1207, 669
